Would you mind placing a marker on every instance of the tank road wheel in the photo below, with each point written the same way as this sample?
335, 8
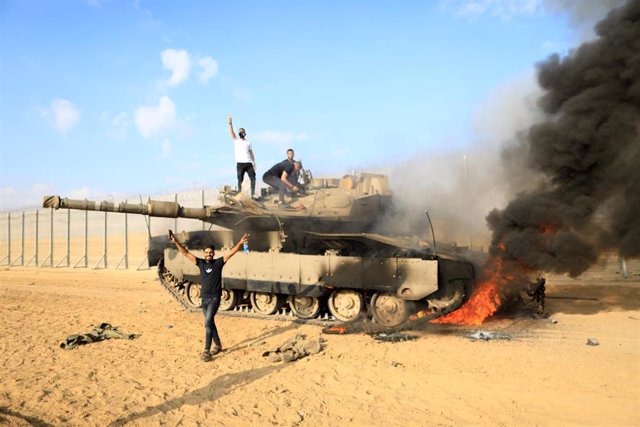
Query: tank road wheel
228, 299
192, 291
265, 303
345, 305
451, 296
304, 307
389, 310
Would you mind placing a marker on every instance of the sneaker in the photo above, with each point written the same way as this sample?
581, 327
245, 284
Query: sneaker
216, 350
206, 356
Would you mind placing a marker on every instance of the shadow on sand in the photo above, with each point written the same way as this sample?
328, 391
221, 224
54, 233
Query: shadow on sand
257, 340
220, 386
213, 391
31, 420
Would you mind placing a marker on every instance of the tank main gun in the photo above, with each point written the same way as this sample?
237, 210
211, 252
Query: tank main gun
155, 208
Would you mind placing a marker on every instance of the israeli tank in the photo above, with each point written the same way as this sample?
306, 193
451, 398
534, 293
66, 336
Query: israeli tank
318, 255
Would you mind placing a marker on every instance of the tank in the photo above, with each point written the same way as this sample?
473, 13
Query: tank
319, 255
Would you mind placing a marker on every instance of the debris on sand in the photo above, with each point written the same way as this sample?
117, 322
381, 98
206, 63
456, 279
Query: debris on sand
294, 348
486, 336
393, 337
592, 341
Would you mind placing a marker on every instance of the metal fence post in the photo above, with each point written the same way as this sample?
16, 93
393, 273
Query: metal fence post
8, 257
85, 257
68, 237
50, 256
125, 257
21, 258
68, 255
104, 247
35, 255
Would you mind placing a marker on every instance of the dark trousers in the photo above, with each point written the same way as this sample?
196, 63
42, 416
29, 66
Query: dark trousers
248, 168
276, 183
210, 308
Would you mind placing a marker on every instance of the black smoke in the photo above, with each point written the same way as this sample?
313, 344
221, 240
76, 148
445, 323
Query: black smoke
586, 155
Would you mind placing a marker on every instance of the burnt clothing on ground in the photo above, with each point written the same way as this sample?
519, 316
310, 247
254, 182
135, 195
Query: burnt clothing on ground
102, 332
210, 277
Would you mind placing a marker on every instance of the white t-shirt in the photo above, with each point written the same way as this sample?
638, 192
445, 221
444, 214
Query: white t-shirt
242, 148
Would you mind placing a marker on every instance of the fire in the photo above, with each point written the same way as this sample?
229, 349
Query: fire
482, 304
546, 229
485, 299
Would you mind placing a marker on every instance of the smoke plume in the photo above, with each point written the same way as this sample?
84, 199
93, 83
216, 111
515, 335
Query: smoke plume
585, 155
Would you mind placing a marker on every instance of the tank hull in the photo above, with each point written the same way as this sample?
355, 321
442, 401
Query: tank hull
293, 278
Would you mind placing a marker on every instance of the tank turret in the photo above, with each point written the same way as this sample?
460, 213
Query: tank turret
350, 204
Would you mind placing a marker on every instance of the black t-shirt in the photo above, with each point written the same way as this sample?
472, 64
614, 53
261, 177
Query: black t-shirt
210, 276
277, 169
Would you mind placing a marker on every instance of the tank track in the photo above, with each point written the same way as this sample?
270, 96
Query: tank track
177, 289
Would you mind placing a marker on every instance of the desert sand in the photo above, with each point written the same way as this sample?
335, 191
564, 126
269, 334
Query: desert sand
544, 374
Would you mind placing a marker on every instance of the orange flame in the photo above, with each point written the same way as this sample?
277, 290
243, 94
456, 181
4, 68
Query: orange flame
482, 304
485, 299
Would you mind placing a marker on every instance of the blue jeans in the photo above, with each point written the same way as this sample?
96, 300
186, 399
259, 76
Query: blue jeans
209, 309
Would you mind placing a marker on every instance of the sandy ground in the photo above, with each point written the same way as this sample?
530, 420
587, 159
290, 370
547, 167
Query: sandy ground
544, 375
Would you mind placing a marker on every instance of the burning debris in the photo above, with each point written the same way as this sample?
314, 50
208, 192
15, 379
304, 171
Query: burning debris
537, 295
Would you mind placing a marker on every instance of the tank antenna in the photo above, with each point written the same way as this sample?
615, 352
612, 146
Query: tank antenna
433, 234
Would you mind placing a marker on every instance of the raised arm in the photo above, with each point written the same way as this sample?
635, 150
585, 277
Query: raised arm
191, 257
236, 248
233, 134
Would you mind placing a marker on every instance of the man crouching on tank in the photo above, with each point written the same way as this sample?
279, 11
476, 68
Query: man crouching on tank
211, 283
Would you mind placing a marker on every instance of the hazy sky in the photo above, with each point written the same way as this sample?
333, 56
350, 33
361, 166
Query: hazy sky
131, 97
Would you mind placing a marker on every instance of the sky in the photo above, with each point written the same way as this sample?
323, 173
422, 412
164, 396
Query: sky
117, 97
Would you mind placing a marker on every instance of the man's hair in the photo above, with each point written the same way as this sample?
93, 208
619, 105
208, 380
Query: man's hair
290, 149
297, 163
213, 248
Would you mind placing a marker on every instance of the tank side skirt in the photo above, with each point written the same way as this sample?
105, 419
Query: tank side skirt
318, 275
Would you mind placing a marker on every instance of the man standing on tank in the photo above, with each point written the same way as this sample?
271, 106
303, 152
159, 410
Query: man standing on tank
278, 177
211, 283
245, 161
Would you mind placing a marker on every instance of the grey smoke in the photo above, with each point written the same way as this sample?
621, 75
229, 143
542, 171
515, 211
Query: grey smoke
586, 154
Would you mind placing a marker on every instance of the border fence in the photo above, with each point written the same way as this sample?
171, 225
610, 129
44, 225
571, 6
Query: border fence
88, 239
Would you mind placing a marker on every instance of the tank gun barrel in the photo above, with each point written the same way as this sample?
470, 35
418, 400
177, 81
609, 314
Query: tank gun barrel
152, 207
